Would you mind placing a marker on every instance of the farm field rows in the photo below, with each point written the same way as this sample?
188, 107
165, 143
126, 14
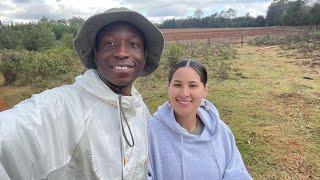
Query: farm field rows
227, 34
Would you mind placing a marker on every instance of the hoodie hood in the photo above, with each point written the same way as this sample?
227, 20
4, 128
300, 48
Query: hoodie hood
209, 117
92, 83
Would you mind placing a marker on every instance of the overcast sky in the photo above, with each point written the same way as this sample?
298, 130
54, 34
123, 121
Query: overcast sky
154, 10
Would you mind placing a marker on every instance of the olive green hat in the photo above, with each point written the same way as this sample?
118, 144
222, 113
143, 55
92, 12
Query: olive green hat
85, 40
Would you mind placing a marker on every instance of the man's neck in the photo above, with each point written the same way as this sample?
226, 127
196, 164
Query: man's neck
124, 90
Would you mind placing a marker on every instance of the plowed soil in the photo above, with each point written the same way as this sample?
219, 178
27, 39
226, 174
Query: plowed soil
226, 34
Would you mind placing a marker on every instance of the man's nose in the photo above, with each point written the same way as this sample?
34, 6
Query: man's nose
122, 51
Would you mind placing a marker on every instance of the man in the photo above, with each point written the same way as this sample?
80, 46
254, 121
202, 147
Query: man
96, 127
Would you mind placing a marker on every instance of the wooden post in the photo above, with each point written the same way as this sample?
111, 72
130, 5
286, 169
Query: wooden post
241, 39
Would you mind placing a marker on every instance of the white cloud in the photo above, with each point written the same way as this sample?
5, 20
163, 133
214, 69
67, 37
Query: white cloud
155, 10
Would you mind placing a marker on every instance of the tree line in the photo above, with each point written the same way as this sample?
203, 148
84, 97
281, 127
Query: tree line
279, 13
45, 34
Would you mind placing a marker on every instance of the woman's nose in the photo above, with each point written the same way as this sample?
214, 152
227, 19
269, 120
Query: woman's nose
184, 91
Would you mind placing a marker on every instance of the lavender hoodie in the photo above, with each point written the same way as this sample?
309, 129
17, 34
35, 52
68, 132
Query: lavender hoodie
175, 154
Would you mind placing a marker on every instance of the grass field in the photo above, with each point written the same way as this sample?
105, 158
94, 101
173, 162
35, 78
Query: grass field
270, 101
274, 110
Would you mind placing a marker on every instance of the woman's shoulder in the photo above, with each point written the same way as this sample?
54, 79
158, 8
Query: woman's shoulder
154, 122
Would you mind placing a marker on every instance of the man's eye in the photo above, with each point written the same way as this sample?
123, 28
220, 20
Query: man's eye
134, 45
176, 85
109, 44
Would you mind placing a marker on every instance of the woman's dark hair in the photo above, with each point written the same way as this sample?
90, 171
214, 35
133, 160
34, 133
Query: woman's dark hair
197, 66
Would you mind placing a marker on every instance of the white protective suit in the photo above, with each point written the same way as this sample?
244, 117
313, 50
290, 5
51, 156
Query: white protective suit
74, 132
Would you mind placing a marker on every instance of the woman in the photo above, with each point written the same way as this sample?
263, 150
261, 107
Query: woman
187, 138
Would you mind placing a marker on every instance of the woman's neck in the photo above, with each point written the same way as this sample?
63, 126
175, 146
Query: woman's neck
188, 123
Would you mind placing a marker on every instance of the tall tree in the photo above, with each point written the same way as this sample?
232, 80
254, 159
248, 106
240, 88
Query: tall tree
260, 21
8, 38
198, 13
315, 14
76, 22
275, 12
43, 19
295, 14
230, 13
39, 37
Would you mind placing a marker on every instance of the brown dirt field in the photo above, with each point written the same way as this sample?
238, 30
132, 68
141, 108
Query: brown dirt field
227, 34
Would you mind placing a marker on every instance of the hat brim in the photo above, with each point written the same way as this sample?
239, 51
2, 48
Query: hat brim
84, 42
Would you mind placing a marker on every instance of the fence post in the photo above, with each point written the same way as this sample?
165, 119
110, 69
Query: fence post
241, 39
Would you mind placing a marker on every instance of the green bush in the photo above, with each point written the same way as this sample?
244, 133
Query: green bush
41, 65
9, 64
223, 51
291, 41
38, 37
67, 40
8, 38
263, 40
173, 53
222, 70
25, 67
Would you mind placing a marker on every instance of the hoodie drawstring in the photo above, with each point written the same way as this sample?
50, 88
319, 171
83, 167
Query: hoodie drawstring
182, 156
126, 121
215, 158
122, 116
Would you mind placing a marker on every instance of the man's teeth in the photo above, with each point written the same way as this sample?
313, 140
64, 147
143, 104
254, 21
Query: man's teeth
184, 102
121, 67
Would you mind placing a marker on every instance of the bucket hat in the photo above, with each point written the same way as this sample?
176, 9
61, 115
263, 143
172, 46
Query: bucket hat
85, 40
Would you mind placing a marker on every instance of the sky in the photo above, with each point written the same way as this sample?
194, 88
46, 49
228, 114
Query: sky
17, 11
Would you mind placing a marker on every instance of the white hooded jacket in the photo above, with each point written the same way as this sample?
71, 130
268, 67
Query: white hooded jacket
74, 132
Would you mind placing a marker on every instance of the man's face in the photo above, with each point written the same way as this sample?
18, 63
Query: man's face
120, 54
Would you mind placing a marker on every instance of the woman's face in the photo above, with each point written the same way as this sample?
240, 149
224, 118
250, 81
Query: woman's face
186, 92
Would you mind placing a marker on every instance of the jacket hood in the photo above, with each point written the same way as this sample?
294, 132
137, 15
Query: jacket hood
209, 117
91, 82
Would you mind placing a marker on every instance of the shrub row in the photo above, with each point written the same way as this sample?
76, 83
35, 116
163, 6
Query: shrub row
24, 67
